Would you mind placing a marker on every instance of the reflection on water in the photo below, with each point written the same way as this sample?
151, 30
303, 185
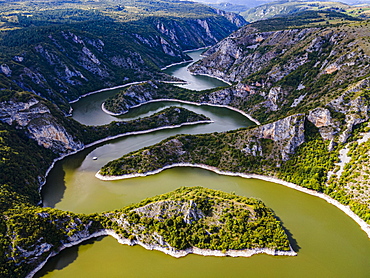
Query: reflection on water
67, 257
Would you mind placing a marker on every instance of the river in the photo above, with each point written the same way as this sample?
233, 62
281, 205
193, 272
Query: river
329, 243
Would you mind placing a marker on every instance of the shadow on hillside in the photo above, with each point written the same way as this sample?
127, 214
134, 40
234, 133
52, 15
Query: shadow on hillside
64, 258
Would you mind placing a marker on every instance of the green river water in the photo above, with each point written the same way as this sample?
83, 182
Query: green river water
329, 243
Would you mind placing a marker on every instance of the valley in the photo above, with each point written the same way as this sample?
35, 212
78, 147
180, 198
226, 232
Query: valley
85, 91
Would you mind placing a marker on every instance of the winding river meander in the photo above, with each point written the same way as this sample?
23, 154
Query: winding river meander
329, 243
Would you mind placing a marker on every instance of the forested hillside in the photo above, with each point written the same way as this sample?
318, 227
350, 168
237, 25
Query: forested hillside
281, 66
305, 78
63, 51
52, 52
306, 81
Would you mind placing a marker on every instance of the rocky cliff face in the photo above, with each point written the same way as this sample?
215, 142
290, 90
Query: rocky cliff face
39, 124
247, 51
287, 134
51, 231
280, 72
274, 142
63, 63
321, 118
194, 33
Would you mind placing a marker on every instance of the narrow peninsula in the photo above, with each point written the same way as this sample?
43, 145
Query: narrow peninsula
200, 221
189, 220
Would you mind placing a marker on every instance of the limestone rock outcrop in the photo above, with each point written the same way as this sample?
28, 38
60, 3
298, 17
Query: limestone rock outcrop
322, 119
287, 134
167, 209
39, 124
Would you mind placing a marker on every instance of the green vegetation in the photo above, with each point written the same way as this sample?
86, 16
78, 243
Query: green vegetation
216, 150
311, 163
36, 232
308, 166
60, 50
21, 158
214, 220
293, 70
171, 116
133, 95
22, 168
65, 51
303, 20
352, 186
291, 8
77, 11
312, 82
203, 218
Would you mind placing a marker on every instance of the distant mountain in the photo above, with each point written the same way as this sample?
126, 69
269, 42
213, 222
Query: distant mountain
281, 8
257, 10
254, 3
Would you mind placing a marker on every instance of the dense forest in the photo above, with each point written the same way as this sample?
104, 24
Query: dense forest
211, 220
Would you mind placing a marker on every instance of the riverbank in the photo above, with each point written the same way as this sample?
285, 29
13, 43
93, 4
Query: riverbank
212, 76
112, 138
64, 246
167, 250
203, 252
185, 61
364, 226
176, 64
106, 89
200, 48
185, 102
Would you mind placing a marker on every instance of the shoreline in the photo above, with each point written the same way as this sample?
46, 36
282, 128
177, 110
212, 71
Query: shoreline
105, 89
363, 225
145, 131
188, 61
212, 76
137, 82
202, 252
176, 64
196, 49
174, 253
186, 102
108, 139
64, 246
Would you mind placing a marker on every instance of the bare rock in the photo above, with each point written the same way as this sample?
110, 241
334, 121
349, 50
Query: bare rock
322, 119
6, 70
